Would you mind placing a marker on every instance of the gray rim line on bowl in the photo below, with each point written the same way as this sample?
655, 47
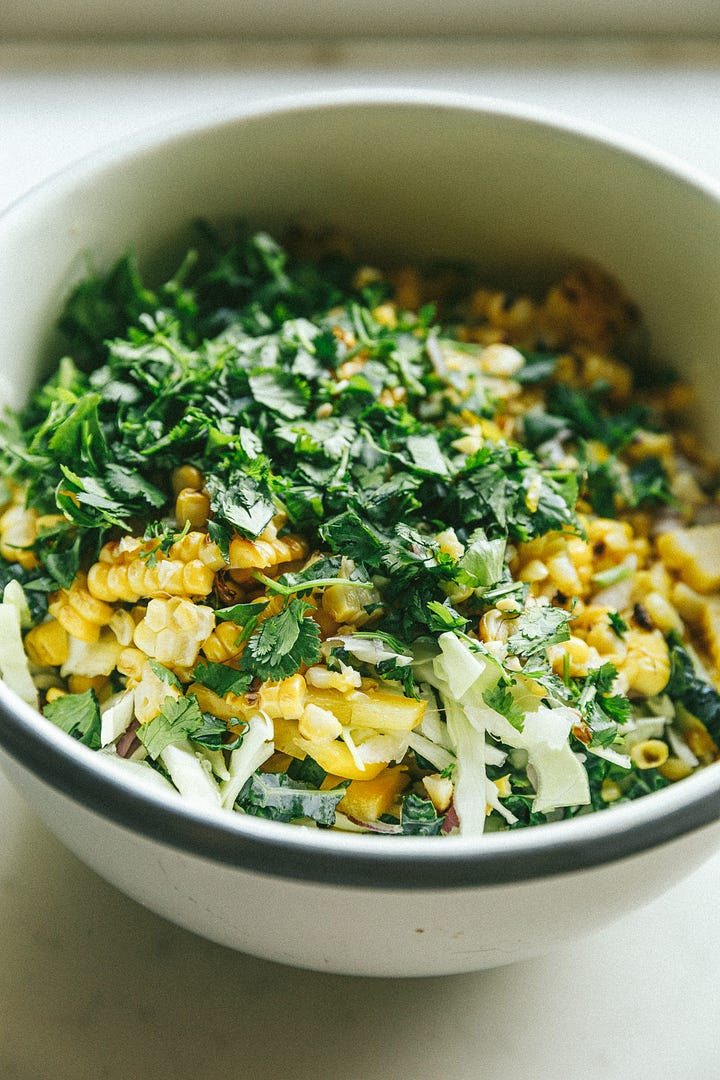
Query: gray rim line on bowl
319, 855
360, 860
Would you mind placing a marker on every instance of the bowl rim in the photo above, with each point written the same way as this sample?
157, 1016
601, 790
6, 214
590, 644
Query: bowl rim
312, 855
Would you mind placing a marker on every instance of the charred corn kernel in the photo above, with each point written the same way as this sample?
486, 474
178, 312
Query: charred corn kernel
617, 376
276, 524
173, 630
678, 397
346, 604
186, 476
449, 543
578, 655
122, 625
386, 315
495, 626
503, 361
223, 643
193, 507
18, 532
131, 662
662, 613
609, 791
564, 575
53, 693
440, 791
48, 644
318, 725
151, 693
75, 623
700, 742
284, 699
265, 554
695, 554
88, 606
649, 754
134, 580
535, 570
197, 546
675, 769
689, 603
606, 642
653, 579
78, 684
587, 305
646, 669
346, 680
651, 444
368, 800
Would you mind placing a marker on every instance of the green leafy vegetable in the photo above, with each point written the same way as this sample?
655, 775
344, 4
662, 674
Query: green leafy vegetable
281, 798
78, 715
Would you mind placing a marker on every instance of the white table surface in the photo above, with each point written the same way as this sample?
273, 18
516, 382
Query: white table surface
93, 987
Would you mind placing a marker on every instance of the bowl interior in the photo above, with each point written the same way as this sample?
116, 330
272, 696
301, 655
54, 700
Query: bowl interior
406, 177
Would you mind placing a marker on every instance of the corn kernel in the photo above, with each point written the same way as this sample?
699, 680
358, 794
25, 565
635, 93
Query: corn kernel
649, 754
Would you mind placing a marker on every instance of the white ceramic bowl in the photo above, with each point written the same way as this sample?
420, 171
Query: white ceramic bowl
421, 174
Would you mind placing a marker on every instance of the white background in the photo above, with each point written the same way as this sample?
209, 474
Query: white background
92, 987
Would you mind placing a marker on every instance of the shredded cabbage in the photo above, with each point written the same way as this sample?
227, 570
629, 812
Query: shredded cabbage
14, 664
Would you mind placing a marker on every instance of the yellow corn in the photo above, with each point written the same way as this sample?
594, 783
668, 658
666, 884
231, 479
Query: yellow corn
649, 754
173, 630
318, 725
186, 476
48, 644
131, 662
284, 699
131, 569
18, 532
80, 612
193, 507
646, 668
247, 555
78, 684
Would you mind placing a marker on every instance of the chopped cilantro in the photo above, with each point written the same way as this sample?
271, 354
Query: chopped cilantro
283, 643
78, 715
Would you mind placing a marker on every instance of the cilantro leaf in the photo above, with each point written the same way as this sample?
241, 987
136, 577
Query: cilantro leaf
283, 643
537, 628
501, 700
177, 719
78, 715
222, 679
